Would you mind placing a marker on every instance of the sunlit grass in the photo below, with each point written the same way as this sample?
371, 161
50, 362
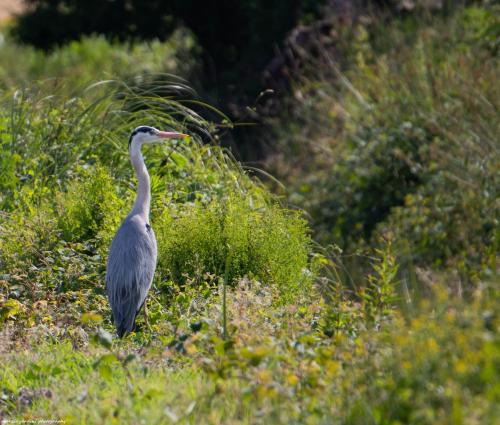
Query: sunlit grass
438, 366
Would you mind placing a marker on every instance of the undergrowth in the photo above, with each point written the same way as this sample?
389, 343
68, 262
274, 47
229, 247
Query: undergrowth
399, 135
438, 366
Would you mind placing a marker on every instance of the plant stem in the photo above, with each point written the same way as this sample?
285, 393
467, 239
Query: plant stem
224, 291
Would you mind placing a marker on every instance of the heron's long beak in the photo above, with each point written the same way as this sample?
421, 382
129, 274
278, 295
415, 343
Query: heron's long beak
171, 135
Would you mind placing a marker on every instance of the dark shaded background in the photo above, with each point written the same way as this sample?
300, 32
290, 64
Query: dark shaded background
243, 44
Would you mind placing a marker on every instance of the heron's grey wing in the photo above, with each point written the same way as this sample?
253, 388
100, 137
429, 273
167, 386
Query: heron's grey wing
131, 266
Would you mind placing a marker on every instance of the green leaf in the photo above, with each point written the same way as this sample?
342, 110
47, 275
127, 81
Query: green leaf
180, 160
10, 308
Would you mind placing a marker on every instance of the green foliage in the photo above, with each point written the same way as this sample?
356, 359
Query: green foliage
38, 264
277, 363
46, 138
26, 236
448, 224
380, 170
403, 140
234, 238
94, 58
380, 294
90, 208
58, 187
212, 218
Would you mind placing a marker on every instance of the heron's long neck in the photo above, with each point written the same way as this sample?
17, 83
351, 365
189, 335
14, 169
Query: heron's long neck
143, 199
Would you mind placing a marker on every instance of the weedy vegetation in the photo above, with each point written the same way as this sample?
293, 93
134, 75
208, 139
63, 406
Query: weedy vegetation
378, 303
401, 138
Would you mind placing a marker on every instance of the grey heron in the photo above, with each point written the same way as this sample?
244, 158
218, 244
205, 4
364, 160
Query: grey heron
133, 252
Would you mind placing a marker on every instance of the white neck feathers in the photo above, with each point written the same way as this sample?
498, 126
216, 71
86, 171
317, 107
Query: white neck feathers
143, 199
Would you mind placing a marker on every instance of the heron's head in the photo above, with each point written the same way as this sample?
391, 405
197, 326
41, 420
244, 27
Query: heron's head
145, 134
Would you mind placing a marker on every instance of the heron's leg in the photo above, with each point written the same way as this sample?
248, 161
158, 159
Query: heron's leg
145, 311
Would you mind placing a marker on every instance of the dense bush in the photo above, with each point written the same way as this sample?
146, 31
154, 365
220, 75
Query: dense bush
233, 239
380, 171
403, 141
89, 208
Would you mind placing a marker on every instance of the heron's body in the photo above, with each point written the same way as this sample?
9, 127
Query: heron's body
133, 253
131, 267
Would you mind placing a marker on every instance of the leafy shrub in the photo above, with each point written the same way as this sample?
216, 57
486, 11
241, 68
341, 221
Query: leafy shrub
380, 169
26, 237
90, 208
447, 224
210, 216
403, 140
46, 138
232, 238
